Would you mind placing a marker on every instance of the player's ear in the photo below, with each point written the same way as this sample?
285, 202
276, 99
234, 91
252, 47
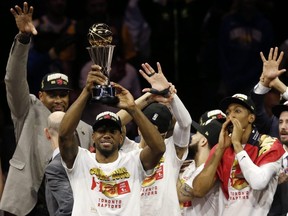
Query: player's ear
251, 118
47, 134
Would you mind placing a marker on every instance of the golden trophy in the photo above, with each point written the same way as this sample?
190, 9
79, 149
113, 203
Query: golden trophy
101, 53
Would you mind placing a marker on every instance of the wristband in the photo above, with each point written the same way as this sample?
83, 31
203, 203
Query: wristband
23, 38
164, 92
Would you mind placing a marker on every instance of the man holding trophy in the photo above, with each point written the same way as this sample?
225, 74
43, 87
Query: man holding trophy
107, 182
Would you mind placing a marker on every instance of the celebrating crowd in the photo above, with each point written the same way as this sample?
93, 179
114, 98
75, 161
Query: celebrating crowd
232, 161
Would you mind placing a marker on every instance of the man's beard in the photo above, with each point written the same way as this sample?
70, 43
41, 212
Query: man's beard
107, 152
193, 150
284, 142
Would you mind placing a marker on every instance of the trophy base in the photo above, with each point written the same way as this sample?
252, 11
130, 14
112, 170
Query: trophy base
104, 94
105, 100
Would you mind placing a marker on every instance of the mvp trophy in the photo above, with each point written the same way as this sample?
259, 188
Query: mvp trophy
101, 52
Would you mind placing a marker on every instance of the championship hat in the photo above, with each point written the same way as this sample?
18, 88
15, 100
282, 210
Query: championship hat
107, 118
242, 99
55, 81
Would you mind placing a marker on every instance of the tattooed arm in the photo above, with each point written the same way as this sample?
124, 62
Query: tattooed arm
184, 191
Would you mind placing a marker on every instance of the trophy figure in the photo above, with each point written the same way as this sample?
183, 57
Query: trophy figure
101, 52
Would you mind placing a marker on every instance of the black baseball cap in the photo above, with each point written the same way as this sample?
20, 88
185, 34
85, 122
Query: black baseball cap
242, 99
211, 130
278, 109
55, 81
107, 118
216, 114
159, 115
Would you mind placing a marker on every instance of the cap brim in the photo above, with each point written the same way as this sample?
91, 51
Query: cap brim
56, 89
106, 122
229, 100
278, 109
197, 126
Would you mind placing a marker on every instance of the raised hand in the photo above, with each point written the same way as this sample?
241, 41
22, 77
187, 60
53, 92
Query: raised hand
23, 19
271, 66
126, 99
95, 76
225, 135
159, 83
166, 99
236, 135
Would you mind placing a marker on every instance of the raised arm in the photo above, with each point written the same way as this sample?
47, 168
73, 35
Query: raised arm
280, 86
271, 67
265, 121
69, 148
206, 179
23, 19
143, 101
165, 92
17, 88
181, 133
152, 153
159, 83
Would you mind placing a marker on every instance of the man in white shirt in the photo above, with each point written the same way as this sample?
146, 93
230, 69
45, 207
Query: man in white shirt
159, 192
206, 136
107, 182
